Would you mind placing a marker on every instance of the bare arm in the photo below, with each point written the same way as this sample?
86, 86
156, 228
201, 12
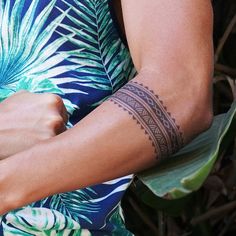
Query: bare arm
171, 47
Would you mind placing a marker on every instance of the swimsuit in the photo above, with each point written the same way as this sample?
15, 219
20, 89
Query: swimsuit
71, 48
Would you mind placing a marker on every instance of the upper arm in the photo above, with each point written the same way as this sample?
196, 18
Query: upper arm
160, 32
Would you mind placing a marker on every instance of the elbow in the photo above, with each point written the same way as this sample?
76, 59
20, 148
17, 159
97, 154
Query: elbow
205, 118
202, 87
206, 115
187, 93
199, 98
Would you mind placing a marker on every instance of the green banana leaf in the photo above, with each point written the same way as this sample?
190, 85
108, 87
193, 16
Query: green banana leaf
186, 171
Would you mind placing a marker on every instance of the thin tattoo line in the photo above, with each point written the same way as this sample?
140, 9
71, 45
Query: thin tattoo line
153, 115
161, 106
170, 122
158, 143
150, 113
142, 123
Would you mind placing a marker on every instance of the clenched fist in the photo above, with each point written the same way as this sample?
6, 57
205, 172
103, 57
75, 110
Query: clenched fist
27, 118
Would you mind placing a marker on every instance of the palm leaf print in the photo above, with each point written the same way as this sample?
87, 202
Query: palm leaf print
28, 60
75, 204
107, 63
41, 221
71, 48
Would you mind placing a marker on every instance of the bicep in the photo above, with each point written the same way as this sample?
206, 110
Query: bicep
161, 31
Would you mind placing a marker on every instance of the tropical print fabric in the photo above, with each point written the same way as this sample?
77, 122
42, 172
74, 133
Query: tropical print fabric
70, 48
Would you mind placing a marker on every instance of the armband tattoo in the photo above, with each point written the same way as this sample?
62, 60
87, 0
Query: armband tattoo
148, 110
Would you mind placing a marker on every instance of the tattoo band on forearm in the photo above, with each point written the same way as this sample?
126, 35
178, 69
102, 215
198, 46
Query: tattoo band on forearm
148, 110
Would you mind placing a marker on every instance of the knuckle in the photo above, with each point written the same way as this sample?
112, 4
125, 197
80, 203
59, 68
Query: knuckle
54, 100
54, 104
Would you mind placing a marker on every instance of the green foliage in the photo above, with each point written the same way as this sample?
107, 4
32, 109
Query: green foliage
186, 171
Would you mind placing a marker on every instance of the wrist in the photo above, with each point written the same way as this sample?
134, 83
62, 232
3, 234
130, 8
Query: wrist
9, 197
15, 187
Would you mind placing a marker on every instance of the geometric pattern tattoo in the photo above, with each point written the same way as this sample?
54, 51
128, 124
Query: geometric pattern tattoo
149, 112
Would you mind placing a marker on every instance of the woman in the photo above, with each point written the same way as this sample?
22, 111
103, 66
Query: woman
72, 48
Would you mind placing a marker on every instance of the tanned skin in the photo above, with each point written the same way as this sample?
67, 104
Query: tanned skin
171, 46
27, 119
151, 114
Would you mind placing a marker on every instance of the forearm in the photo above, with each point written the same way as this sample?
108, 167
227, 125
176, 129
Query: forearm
12, 141
106, 144
101, 147
109, 143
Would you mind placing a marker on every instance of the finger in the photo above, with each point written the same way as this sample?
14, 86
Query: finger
64, 113
60, 128
57, 105
61, 108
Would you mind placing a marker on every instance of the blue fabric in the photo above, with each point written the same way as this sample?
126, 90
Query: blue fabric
70, 48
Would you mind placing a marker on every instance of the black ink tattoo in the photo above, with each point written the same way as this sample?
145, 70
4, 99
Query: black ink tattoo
148, 110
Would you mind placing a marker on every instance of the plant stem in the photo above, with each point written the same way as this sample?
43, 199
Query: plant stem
161, 223
143, 216
220, 211
225, 37
225, 70
227, 225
